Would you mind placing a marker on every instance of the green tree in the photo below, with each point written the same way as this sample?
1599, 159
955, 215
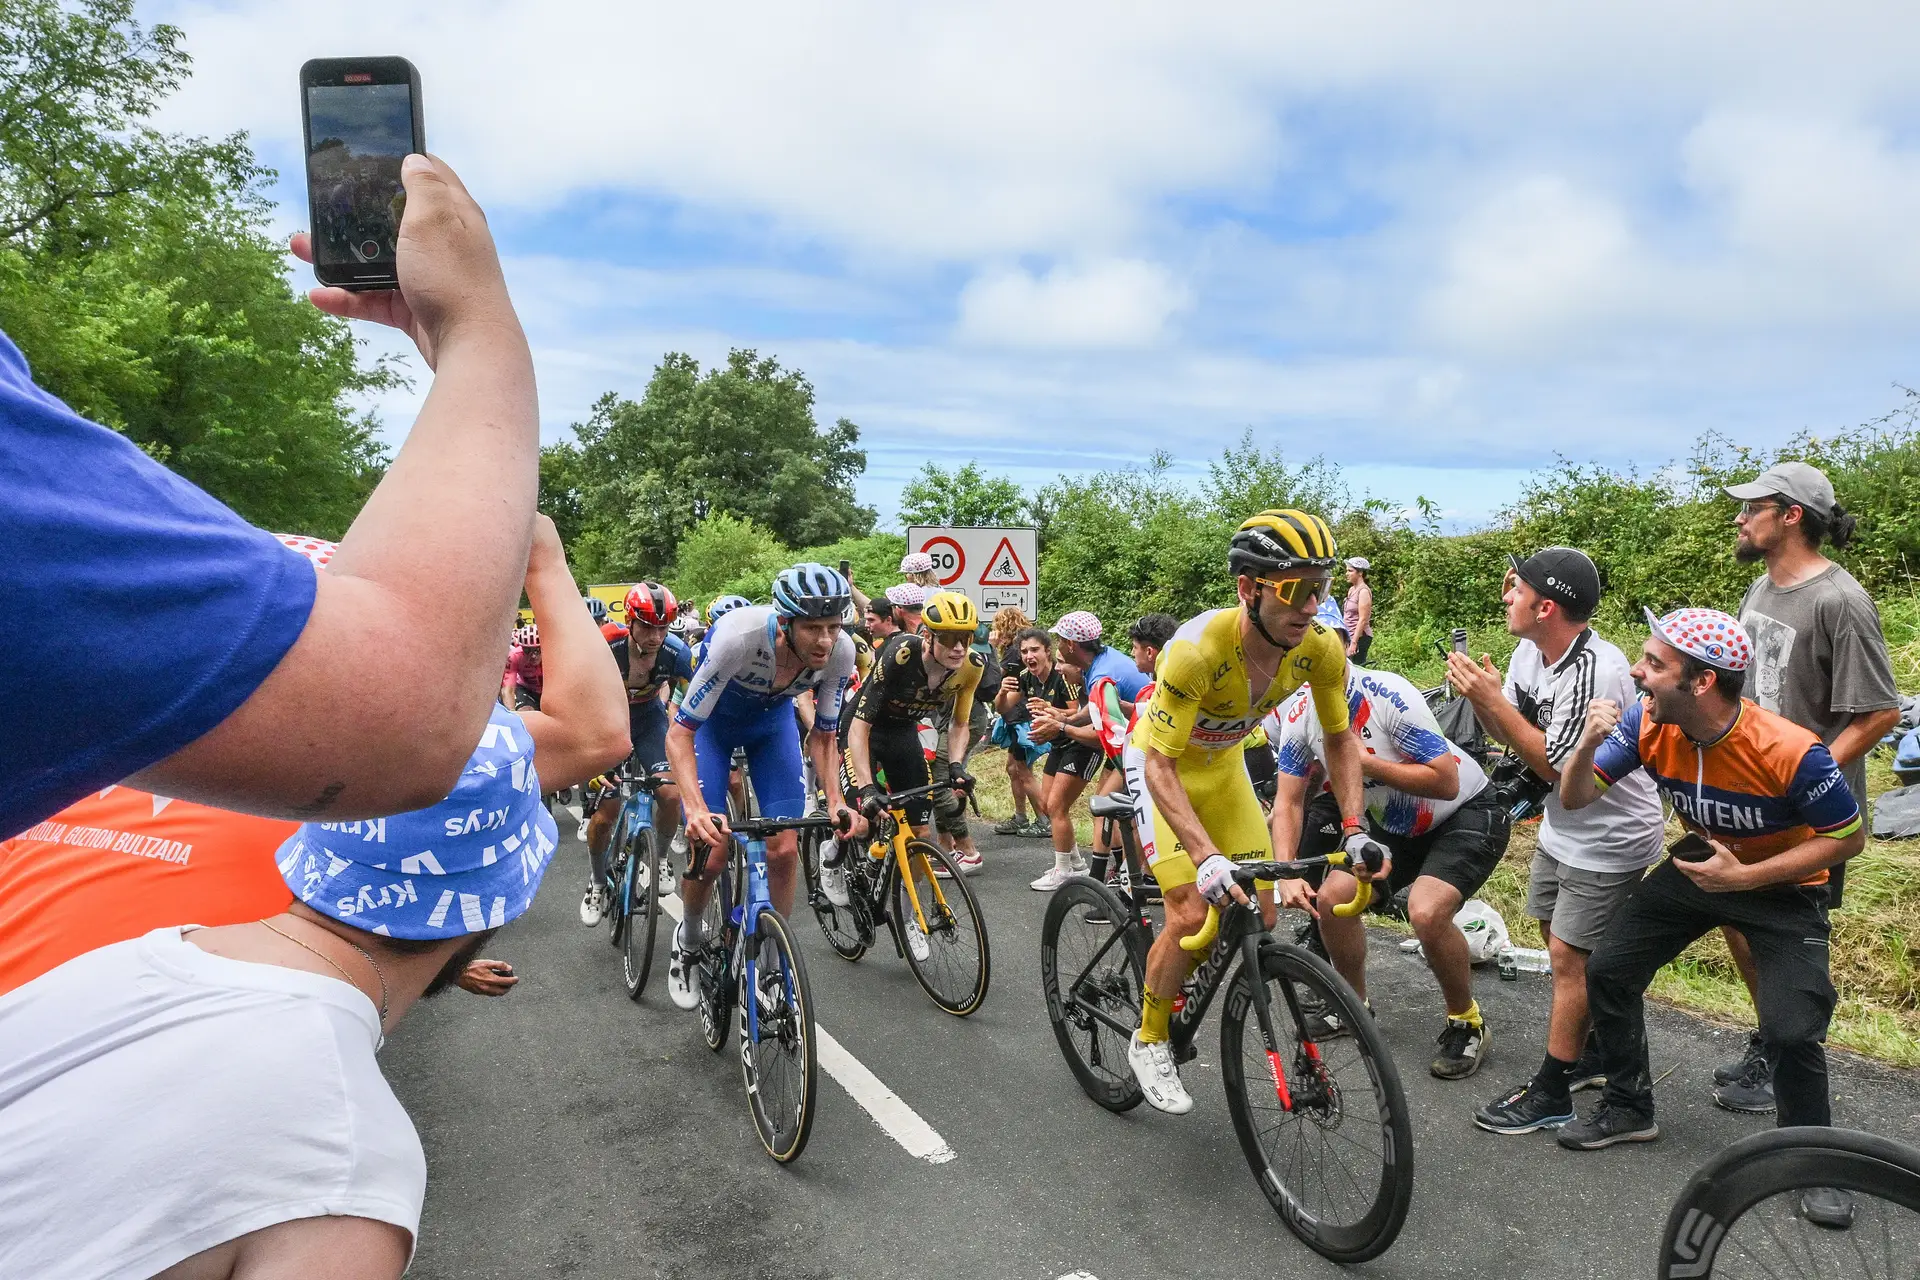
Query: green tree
137, 277
726, 555
738, 440
965, 496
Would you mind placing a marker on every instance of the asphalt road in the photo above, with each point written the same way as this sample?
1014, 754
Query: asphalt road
571, 1132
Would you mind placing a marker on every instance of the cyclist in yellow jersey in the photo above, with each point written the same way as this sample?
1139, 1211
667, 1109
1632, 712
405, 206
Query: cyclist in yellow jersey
1204, 813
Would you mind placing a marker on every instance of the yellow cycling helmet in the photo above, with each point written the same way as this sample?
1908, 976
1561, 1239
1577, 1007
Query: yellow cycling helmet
1281, 539
949, 611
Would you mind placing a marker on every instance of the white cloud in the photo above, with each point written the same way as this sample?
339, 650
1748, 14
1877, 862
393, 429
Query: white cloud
1114, 303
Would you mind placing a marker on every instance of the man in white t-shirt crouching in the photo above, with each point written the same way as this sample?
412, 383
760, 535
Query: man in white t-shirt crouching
1589, 860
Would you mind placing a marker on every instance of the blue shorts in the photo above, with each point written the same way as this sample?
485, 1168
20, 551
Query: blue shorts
771, 739
647, 721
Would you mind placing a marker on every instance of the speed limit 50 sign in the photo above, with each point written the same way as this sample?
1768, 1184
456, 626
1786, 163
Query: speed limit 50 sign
994, 566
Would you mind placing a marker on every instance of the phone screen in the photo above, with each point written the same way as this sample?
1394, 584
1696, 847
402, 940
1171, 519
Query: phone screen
362, 121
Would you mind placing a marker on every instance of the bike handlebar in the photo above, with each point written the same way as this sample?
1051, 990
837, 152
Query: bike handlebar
894, 799
761, 828
1244, 875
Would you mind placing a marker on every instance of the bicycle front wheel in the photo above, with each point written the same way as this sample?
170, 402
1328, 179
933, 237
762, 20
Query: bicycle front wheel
716, 988
779, 1058
1323, 1124
645, 885
1742, 1214
941, 930
841, 925
1092, 972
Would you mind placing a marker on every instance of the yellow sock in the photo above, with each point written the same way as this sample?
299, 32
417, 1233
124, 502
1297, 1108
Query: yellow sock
1471, 1017
1153, 1019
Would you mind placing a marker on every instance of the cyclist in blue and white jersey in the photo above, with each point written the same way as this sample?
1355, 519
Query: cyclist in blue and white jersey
756, 660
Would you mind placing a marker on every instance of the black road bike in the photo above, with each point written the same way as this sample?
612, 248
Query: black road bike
1322, 1121
911, 887
1742, 1215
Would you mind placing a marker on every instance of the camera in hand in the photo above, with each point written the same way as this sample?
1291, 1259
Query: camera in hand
361, 119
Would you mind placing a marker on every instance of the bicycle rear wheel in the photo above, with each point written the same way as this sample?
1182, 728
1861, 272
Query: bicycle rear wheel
644, 887
1324, 1125
1092, 972
781, 1064
949, 957
1741, 1216
841, 925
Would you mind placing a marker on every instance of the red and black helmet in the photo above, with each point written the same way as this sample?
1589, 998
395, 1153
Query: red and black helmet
651, 605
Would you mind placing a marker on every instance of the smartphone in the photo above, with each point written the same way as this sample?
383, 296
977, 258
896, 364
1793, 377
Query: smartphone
1691, 847
360, 118
1459, 639
846, 570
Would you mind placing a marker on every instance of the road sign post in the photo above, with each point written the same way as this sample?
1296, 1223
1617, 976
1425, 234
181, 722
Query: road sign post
996, 567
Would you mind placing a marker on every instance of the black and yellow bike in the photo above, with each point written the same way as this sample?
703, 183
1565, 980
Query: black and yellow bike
1322, 1118
914, 889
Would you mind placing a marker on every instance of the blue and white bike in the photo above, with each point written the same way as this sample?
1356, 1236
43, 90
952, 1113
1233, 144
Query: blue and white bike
641, 875
751, 965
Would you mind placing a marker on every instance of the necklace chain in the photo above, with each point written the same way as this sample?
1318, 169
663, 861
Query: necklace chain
377, 972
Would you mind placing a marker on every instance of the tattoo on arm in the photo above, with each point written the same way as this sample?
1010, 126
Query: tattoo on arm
322, 802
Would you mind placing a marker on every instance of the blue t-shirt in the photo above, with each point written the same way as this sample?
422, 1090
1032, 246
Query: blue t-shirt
144, 612
1119, 668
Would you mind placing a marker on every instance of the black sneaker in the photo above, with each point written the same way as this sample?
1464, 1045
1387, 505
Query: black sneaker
1606, 1125
1588, 1073
1728, 1072
1320, 1022
1463, 1047
1750, 1094
1828, 1207
1523, 1111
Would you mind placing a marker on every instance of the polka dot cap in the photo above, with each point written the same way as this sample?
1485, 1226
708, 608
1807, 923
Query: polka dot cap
1079, 626
318, 550
1713, 637
908, 595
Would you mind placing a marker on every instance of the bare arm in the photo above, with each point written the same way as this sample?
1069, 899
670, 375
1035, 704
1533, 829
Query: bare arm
451, 520
581, 728
1438, 779
1861, 734
859, 752
1289, 813
1479, 683
1724, 873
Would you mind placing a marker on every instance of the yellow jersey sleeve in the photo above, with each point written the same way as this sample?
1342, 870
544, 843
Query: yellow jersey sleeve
1181, 681
1324, 660
965, 682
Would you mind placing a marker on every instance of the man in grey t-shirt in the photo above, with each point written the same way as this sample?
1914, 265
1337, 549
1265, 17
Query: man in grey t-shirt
1820, 660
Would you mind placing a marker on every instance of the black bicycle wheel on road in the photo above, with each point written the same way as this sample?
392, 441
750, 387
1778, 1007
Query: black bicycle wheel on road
618, 887
1740, 1215
1333, 1150
1092, 973
716, 996
841, 925
644, 888
781, 1071
958, 965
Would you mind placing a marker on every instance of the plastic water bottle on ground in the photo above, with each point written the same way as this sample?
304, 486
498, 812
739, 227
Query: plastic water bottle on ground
1515, 961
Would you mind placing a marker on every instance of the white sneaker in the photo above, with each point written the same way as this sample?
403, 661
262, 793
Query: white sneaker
1050, 879
1079, 864
970, 864
1159, 1079
593, 906
679, 845
833, 883
917, 940
680, 972
583, 831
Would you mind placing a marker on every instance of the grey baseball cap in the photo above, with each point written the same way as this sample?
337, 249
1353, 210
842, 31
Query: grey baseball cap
1805, 485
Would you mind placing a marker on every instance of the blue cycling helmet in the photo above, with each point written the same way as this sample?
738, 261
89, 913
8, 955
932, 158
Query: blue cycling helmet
725, 605
597, 607
811, 591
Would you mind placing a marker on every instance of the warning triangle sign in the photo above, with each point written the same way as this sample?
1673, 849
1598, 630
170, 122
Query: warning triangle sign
1004, 568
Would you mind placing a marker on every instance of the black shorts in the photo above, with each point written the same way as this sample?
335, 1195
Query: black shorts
898, 763
1462, 851
524, 698
1076, 758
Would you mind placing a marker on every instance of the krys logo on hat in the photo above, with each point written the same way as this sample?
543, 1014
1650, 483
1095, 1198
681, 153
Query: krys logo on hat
471, 862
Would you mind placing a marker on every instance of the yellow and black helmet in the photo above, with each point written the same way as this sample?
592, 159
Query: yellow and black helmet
1281, 539
949, 611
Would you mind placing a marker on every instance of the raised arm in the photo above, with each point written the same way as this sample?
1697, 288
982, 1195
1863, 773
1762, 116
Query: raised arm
581, 728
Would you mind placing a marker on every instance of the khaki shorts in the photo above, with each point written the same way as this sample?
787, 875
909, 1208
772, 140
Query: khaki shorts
1576, 904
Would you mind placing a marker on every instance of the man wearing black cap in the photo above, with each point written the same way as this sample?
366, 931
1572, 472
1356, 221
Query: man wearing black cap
1587, 862
1820, 660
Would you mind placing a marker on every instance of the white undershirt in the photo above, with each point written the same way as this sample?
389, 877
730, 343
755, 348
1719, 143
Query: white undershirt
156, 1100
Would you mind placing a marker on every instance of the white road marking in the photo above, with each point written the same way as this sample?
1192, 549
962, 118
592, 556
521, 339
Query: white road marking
900, 1121
1079, 1275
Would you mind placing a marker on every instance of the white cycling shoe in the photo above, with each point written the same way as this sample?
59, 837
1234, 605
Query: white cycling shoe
1158, 1078
681, 985
593, 906
916, 940
833, 883
1052, 878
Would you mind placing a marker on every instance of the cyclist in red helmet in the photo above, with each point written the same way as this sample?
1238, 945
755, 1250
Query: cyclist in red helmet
652, 662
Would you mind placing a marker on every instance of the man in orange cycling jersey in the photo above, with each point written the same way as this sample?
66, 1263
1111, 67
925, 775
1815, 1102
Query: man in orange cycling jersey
1219, 675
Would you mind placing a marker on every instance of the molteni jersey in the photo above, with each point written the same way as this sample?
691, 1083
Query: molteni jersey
897, 692
670, 664
1202, 704
1763, 787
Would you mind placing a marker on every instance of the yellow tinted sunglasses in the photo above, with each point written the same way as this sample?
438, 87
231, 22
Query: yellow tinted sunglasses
1287, 590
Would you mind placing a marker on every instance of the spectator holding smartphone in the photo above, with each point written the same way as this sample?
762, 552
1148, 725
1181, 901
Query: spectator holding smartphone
1587, 862
222, 680
1820, 660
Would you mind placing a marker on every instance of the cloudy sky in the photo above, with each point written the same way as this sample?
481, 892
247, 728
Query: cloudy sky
1438, 243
